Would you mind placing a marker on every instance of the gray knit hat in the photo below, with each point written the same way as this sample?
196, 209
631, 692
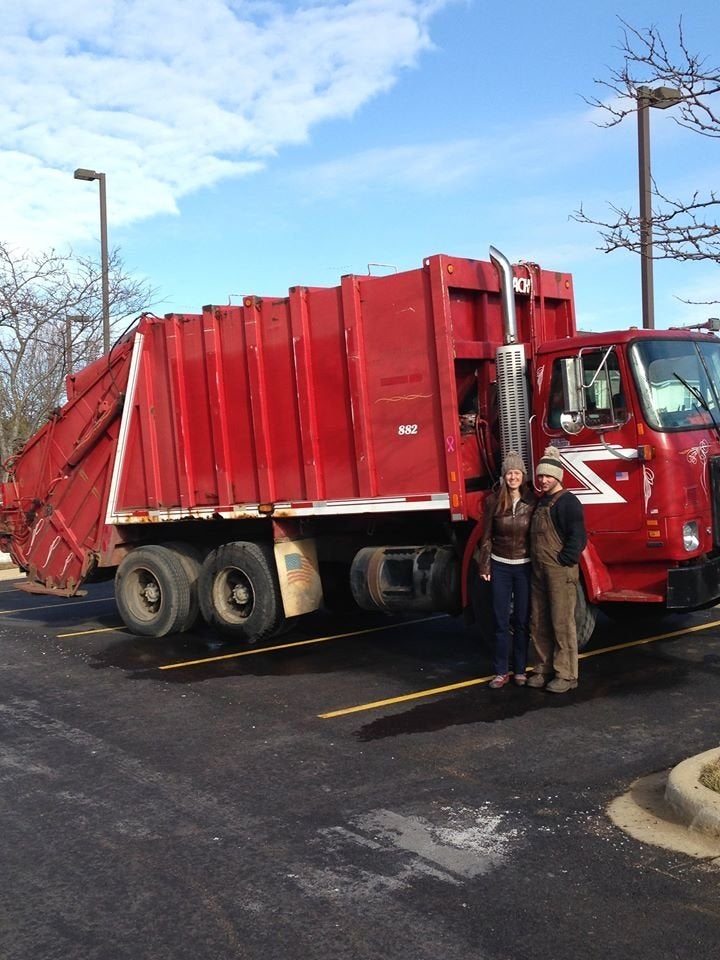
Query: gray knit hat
550, 464
512, 461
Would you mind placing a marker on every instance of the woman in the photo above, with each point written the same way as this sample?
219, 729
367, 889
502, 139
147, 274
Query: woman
503, 558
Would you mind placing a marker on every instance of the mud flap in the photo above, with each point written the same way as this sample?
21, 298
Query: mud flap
298, 575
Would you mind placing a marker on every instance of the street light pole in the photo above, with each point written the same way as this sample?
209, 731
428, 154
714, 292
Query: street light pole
84, 174
661, 98
646, 252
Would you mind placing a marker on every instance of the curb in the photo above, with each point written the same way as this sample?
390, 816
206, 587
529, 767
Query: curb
696, 804
8, 570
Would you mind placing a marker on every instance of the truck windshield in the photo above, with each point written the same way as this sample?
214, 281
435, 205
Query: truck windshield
678, 382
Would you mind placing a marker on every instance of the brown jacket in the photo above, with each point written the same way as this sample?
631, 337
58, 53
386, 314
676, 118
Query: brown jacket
505, 535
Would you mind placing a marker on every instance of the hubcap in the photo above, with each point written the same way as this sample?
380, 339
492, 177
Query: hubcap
233, 595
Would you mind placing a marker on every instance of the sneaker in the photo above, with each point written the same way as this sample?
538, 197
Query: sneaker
520, 679
537, 680
558, 685
500, 680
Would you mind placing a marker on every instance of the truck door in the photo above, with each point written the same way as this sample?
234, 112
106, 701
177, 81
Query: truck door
588, 418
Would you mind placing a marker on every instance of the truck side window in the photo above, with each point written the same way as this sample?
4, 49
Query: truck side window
605, 402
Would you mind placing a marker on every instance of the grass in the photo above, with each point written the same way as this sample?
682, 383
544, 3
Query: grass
710, 774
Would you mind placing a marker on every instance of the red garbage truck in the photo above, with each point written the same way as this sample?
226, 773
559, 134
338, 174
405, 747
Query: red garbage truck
244, 464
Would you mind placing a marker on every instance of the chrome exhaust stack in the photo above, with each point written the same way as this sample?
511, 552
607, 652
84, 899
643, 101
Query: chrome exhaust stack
511, 368
505, 273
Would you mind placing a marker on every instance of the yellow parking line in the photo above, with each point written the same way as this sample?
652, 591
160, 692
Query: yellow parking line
434, 691
53, 606
289, 646
660, 636
86, 633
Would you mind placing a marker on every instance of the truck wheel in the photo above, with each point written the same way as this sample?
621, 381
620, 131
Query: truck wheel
153, 592
191, 559
239, 591
585, 617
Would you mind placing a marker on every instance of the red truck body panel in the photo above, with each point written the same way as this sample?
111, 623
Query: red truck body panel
323, 399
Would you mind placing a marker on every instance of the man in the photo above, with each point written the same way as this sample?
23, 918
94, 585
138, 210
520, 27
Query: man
557, 538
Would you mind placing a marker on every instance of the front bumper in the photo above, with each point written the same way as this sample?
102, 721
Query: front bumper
692, 587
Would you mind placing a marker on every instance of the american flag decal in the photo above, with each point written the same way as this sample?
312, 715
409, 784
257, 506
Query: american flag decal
299, 569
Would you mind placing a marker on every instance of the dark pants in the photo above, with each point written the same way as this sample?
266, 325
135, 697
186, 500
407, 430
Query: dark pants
510, 584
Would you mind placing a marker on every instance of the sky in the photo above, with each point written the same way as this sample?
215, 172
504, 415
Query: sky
252, 146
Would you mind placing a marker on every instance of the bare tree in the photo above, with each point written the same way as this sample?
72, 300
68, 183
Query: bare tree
684, 228
51, 324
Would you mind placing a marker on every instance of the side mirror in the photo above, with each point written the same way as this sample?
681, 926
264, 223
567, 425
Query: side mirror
572, 385
573, 416
571, 423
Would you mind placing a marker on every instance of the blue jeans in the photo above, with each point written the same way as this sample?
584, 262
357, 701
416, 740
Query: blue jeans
510, 584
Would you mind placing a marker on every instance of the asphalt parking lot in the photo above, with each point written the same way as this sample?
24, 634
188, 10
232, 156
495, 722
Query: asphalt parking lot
351, 790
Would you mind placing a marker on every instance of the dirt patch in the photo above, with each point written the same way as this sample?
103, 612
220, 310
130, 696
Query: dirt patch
643, 813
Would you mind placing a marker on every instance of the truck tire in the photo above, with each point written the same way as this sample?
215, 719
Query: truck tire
153, 592
191, 558
239, 591
585, 617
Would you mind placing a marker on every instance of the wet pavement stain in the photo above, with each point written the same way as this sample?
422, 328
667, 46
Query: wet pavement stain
484, 706
133, 653
453, 710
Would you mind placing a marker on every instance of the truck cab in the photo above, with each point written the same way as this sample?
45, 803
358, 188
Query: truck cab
636, 417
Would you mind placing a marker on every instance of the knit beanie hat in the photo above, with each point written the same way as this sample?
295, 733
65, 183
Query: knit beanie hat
550, 464
512, 461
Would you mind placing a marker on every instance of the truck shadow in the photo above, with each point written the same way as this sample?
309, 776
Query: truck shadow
321, 644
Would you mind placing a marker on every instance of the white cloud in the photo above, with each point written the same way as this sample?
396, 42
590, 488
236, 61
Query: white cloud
165, 98
524, 154
418, 167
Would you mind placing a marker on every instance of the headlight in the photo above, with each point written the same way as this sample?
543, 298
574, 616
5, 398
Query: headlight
691, 540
